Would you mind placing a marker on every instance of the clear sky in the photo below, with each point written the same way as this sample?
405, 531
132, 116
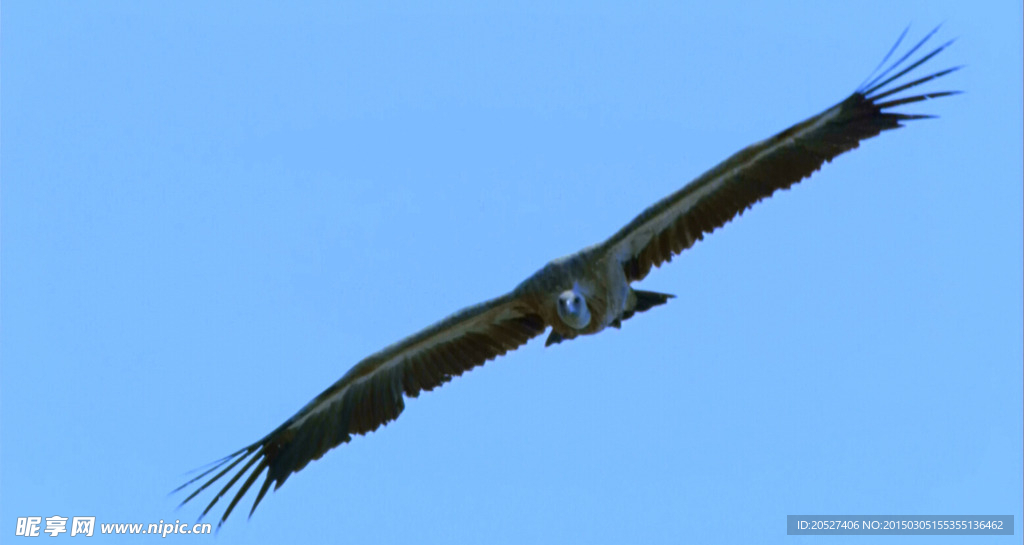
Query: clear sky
211, 210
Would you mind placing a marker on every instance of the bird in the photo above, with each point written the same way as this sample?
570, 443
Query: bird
580, 294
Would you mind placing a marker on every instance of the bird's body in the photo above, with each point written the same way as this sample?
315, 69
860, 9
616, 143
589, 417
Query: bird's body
579, 294
601, 282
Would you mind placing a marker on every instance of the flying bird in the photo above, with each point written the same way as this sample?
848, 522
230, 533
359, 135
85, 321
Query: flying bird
579, 294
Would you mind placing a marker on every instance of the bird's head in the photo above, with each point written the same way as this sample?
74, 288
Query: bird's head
572, 308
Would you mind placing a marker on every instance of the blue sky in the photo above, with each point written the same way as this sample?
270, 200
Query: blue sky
210, 212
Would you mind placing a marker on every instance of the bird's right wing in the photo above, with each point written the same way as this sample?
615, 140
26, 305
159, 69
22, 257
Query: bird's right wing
370, 394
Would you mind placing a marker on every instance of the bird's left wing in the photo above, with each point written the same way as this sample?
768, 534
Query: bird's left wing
371, 393
676, 222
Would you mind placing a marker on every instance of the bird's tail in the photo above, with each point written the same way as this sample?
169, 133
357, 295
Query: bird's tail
645, 300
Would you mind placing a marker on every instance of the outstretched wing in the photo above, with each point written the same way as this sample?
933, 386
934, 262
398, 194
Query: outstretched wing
371, 393
755, 173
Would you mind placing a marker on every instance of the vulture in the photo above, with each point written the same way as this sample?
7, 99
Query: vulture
579, 294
